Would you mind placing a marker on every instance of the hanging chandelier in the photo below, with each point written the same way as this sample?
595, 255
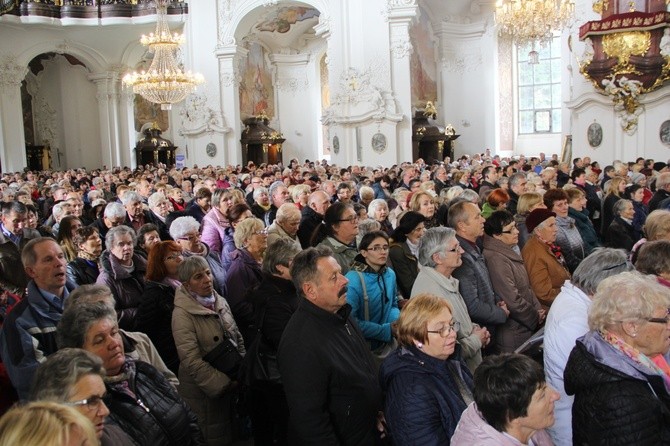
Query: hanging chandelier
532, 22
164, 82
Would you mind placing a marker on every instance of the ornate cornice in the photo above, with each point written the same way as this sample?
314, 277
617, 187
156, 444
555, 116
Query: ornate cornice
11, 74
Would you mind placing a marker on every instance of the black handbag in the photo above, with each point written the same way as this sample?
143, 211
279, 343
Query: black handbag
260, 362
225, 357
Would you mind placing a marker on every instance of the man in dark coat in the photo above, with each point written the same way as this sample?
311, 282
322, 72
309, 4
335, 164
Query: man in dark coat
328, 371
312, 216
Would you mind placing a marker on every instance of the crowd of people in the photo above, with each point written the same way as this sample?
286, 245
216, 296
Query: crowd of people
315, 304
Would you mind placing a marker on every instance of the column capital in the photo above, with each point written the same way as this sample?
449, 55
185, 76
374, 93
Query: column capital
11, 73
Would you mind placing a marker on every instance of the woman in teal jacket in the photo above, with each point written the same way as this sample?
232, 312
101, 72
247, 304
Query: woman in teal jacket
369, 276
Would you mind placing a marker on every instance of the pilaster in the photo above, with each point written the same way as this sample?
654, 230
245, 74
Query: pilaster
12, 139
108, 97
229, 82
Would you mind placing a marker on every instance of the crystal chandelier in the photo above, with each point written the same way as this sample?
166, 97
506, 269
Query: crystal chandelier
164, 83
530, 22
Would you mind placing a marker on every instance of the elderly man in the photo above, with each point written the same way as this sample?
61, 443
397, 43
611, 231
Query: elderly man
285, 226
474, 283
279, 195
113, 215
490, 176
328, 372
13, 237
517, 186
135, 214
312, 216
29, 332
59, 212
662, 191
567, 321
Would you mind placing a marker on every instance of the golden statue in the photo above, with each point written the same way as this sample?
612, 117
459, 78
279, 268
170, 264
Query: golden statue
430, 111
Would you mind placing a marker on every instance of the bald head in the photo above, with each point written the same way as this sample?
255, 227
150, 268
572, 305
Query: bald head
319, 201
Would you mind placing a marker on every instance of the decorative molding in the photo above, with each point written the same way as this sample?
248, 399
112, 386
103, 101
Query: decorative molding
401, 46
395, 9
224, 16
198, 118
11, 74
291, 84
230, 77
269, 3
461, 56
505, 93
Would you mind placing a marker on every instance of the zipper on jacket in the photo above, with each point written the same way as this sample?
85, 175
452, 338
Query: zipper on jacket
141, 404
347, 327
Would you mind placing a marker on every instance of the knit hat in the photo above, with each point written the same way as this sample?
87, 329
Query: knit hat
536, 218
659, 165
98, 202
637, 177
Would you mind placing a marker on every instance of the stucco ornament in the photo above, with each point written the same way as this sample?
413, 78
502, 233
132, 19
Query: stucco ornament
625, 95
197, 117
11, 74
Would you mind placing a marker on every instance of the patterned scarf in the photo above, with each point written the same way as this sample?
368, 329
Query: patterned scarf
555, 250
656, 365
124, 382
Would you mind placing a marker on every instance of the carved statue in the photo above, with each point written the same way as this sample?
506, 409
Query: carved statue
430, 110
665, 43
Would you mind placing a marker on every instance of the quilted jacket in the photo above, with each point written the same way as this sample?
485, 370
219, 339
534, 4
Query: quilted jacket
616, 402
127, 288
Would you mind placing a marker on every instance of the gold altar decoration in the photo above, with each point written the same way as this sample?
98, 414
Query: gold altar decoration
627, 54
532, 22
164, 83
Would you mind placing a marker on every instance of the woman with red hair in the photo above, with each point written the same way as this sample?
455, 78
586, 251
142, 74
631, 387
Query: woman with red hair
496, 201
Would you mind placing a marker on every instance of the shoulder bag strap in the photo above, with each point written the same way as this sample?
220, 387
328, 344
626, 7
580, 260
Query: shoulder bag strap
366, 309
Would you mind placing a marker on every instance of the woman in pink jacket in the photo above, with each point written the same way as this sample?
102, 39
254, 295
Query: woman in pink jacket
513, 405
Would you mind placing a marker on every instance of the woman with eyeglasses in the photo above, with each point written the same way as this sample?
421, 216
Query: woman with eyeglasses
75, 377
510, 281
154, 314
338, 232
426, 382
619, 371
372, 293
251, 240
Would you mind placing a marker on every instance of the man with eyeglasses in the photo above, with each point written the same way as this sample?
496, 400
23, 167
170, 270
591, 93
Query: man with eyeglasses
256, 182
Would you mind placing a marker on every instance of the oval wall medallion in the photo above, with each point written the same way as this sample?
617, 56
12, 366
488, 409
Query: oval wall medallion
379, 142
211, 150
594, 134
336, 144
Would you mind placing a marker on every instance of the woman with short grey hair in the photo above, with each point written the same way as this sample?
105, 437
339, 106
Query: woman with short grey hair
379, 211
186, 232
245, 272
621, 233
567, 321
440, 254
123, 270
74, 377
155, 414
201, 323
618, 372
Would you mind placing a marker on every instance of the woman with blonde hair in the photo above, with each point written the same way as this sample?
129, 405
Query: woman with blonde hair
300, 194
424, 203
615, 189
527, 203
46, 424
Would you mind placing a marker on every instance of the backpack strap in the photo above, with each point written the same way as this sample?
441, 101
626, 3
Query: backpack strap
366, 309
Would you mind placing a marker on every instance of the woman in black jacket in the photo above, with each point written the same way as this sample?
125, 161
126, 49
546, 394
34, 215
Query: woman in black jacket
404, 249
154, 315
620, 233
274, 300
84, 269
618, 372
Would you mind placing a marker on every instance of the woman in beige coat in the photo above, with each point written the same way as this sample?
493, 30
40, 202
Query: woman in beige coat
544, 262
200, 321
510, 282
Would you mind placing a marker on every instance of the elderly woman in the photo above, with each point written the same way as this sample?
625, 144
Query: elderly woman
123, 272
338, 232
147, 238
379, 211
285, 225
154, 315
201, 323
426, 382
619, 372
236, 214
300, 195
567, 236
186, 232
567, 321
84, 269
510, 281
400, 196
424, 204
615, 189
159, 208
244, 273
527, 203
580, 214
404, 250
635, 193
68, 226
543, 259
439, 255
45, 424
513, 405
141, 400
620, 233
216, 222
657, 227
75, 377
274, 300
372, 293
653, 259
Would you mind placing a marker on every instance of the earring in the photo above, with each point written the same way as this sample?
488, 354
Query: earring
634, 334
419, 344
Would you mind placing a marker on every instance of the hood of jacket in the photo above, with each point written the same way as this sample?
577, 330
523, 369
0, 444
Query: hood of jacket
412, 360
360, 265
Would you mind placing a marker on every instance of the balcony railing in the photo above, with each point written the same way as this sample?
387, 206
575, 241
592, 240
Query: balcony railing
86, 9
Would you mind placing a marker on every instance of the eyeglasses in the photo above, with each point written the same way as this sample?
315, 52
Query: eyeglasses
444, 331
353, 219
262, 232
509, 231
92, 403
190, 238
378, 248
661, 320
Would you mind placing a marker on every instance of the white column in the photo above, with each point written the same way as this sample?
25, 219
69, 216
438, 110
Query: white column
400, 18
127, 131
293, 93
108, 97
229, 82
12, 139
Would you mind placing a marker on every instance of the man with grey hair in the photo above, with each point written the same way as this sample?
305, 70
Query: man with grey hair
59, 212
279, 195
159, 208
567, 321
662, 193
113, 215
485, 307
327, 369
517, 187
312, 216
14, 235
135, 214
29, 333
285, 226
439, 255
